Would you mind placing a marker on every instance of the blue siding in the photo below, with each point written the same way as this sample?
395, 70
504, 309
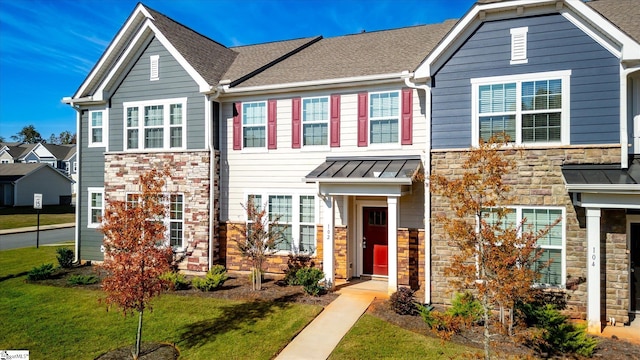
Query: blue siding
174, 82
91, 175
553, 44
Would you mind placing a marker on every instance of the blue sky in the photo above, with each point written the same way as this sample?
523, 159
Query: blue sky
47, 48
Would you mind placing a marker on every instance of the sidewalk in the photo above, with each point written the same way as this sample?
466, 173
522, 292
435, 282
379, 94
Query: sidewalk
323, 334
34, 228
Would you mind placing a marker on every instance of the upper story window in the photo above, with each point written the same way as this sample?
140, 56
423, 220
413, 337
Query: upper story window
315, 121
96, 128
254, 123
96, 206
519, 45
155, 124
384, 115
154, 67
529, 108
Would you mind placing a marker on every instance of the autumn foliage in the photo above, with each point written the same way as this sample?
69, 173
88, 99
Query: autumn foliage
492, 257
136, 253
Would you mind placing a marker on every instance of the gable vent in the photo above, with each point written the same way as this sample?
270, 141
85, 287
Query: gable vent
154, 67
519, 45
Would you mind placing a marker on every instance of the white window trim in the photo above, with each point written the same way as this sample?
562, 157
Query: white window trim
388, 145
105, 117
166, 126
90, 191
519, 56
75, 166
4, 161
255, 149
295, 215
154, 67
563, 248
327, 121
166, 220
563, 75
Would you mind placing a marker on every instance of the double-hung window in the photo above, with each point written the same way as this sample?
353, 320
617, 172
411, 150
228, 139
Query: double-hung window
173, 218
254, 124
96, 128
155, 124
529, 108
384, 116
296, 219
552, 244
95, 206
315, 121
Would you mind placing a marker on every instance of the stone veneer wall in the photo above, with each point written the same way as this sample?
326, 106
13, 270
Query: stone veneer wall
411, 258
537, 181
189, 176
615, 267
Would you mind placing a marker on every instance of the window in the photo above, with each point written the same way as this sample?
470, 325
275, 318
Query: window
75, 166
384, 113
530, 108
4, 161
154, 67
519, 45
173, 219
96, 127
155, 124
315, 121
552, 243
96, 206
295, 212
254, 119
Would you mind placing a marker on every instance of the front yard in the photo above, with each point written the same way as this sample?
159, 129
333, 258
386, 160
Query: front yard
17, 217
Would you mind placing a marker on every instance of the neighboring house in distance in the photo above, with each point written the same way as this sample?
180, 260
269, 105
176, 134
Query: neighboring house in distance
333, 136
18, 183
61, 157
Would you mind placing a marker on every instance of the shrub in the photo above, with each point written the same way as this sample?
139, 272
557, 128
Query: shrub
82, 280
295, 263
65, 257
557, 335
216, 276
176, 280
444, 325
402, 301
42, 272
308, 278
467, 307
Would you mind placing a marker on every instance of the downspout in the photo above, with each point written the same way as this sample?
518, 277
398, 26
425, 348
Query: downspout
624, 115
427, 197
212, 170
78, 185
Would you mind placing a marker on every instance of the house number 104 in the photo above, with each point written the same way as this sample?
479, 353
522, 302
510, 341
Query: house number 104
593, 257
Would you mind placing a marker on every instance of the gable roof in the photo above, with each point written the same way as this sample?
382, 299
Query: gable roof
61, 152
15, 172
624, 14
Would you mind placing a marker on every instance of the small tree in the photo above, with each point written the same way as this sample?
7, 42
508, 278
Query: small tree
493, 257
262, 236
135, 250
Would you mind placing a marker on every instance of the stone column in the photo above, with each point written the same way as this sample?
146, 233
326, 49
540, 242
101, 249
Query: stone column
328, 265
593, 271
392, 237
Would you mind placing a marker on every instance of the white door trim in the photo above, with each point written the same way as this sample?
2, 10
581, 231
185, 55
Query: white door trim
360, 204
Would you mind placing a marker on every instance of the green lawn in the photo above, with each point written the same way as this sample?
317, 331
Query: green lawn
373, 338
23, 216
70, 323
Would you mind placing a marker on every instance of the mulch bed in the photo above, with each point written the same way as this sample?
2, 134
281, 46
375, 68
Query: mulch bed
238, 287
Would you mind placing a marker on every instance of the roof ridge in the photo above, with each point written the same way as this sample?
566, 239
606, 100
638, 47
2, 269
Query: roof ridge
274, 42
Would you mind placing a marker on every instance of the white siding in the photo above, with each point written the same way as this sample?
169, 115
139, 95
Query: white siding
282, 170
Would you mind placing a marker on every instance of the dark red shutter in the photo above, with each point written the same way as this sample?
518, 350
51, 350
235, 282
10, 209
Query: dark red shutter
271, 125
363, 119
237, 126
295, 123
407, 116
335, 120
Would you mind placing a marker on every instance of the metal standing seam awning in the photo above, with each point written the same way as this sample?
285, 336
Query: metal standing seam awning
602, 178
366, 175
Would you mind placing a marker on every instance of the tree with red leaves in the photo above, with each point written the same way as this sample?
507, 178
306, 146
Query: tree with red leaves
136, 252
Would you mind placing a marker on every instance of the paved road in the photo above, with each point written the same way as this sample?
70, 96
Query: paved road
28, 239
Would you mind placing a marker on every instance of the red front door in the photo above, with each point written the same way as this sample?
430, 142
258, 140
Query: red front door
374, 242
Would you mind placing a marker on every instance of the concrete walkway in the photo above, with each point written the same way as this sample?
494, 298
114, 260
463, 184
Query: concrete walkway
323, 334
34, 228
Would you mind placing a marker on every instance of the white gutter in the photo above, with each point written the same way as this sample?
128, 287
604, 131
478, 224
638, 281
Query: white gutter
385, 181
600, 188
87, 100
333, 83
427, 194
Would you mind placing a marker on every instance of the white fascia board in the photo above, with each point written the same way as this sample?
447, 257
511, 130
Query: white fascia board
369, 190
600, 188
609, 200
136, 17
630, 48
318, 84
364, 181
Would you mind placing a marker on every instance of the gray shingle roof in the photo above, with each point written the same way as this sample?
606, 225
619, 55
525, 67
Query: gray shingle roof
379, 52
625, 14
18, 170
209, 58
61, 152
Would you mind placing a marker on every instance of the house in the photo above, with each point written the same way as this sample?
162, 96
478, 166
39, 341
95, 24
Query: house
334, 135
61, 157
18, 183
